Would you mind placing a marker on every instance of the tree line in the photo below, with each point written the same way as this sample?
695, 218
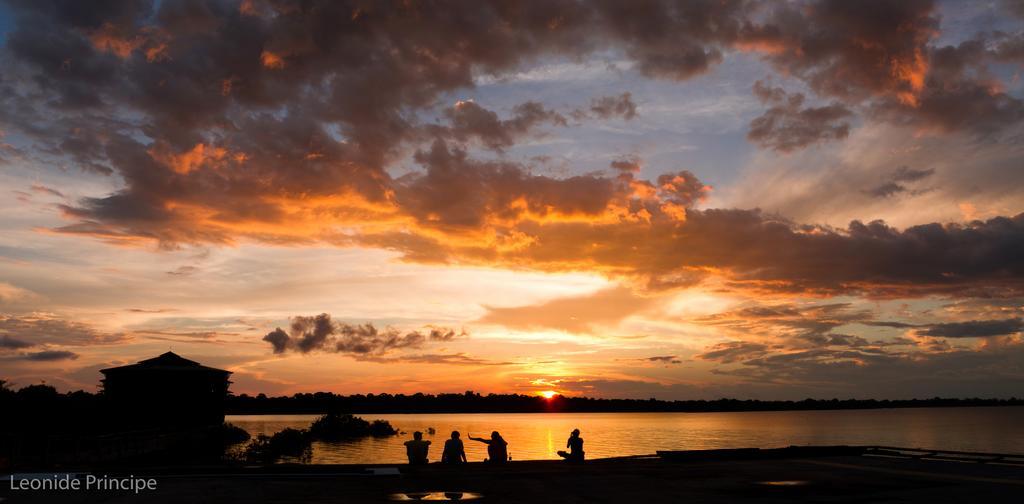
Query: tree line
473, 402
41, 406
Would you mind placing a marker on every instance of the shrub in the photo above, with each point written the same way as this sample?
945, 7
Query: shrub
286, 443
335, 427
382, 428
232, 434
297, 443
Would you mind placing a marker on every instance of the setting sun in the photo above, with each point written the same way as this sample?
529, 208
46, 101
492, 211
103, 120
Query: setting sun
547, 394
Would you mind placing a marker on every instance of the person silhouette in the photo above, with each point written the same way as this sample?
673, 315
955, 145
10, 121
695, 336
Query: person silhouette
575, 446
454, 451
497, 448
416, 449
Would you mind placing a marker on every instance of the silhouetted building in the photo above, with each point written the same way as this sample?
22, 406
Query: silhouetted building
167, 390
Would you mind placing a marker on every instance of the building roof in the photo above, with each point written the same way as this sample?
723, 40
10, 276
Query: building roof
168, 361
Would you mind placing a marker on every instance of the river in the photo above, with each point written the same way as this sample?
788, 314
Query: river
533, 436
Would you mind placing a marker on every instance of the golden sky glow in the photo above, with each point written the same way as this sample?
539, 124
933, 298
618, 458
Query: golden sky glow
745, 199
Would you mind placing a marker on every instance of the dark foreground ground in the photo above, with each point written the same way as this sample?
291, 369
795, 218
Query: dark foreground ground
834, 479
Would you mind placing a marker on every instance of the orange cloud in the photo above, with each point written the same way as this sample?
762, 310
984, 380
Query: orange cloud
461, 210
248, 8
271, 60
152, 41
107, 39
157, 52
191, 160
911, 72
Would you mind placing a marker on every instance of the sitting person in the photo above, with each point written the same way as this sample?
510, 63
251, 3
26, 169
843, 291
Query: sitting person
454, 451
575, 446
497, 448
416, 449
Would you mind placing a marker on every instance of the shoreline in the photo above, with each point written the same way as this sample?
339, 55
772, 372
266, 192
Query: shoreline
365, 413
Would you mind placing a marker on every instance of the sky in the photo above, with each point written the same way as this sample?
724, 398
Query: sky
681, 200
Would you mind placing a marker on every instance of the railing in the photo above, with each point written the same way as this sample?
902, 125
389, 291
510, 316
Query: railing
61, 450
844, 450
948, 455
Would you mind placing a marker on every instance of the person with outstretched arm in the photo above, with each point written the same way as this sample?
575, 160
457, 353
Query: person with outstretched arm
497, 448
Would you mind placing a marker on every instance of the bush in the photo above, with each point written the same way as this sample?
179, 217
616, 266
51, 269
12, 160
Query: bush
298, 443
335, 427
232, 434
286, 443
382, 428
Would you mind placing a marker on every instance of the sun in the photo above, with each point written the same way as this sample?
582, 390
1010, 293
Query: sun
547, 394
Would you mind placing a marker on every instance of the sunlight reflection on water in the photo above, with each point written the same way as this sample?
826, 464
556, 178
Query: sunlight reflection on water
435, 496
541, 435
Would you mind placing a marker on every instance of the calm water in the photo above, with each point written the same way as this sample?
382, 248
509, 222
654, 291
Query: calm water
540, 435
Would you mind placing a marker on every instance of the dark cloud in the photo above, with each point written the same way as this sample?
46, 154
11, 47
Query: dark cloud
1015, 7
195, 72
48, 356
672, 40
759, 312
809, 332
607, 107
788, 125
887, 189
627, 164
186, 270
455, 359
888, 323
906, 174
664, 359
793, 345
807, 322
200, 73
974, 328
876, 372
320, 333
793, 365
850, 51
782, 328
958, 93
733, 351
42, 329
840, 340
1008, 48
880, 54
207, 337
8, 343
963, 329
278, 123
278, 339
469, 120
458, 191
897, 182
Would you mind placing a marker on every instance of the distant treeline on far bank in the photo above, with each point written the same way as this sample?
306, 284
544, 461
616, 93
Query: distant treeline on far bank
35, 402
471, 402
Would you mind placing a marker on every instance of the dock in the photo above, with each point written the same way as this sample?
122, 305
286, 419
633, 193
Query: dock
795, 474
